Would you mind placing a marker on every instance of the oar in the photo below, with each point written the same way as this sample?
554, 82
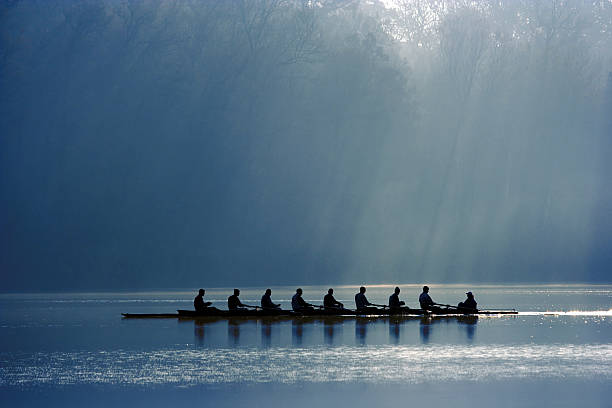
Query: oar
383, 306
467, 308
455, 307
252, 307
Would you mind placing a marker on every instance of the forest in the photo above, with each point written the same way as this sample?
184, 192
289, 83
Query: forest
162, 144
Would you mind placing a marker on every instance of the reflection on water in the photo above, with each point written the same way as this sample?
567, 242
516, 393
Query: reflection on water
427, 324
469, 323
361, 330
199, 331
266, 333
394, 330
307, 331
297, 331
233, 330
331, 328
425, 329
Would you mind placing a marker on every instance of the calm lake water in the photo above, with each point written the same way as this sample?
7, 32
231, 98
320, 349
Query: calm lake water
76, 350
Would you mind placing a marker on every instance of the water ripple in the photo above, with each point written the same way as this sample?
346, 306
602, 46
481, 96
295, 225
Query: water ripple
372, 364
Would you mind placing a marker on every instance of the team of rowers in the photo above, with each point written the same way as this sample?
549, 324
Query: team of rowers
362, 304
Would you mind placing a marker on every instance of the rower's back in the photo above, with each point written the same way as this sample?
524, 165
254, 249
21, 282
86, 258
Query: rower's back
361, 301
233, 301
424, 299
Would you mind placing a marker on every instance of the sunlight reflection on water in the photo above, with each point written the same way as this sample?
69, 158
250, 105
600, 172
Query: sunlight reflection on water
371, 364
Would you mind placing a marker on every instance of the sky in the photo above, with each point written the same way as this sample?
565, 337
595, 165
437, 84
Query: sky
176, 144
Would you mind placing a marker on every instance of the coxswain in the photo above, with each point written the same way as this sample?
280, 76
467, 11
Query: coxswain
298, 304
330, 302
233, 303
198, 302
394, 302
425, 300
469, 303
266, 301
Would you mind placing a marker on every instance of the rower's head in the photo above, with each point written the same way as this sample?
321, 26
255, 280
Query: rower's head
362, 289
469, 295
236, 292
268, 292
299, 291
330, 291
425, 289
397, 290
201, 292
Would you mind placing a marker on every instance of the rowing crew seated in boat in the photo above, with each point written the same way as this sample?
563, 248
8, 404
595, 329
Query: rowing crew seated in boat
467, 306
329, 302
298, 304
266, 301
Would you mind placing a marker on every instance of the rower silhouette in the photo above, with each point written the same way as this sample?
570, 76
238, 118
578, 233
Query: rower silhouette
298, 304
198, 302
394, 303
329, 302
234, 303
266, 301
362, 303
469, 304
425, 300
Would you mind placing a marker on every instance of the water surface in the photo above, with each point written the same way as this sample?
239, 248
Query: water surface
61, 348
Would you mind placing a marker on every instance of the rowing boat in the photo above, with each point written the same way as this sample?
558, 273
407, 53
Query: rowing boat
314, 313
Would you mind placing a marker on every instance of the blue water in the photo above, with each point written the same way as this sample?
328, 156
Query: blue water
75, 350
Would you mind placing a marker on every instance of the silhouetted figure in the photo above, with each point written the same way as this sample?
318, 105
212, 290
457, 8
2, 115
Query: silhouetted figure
425, 300
330, 302
362, 303
469, 303
266, 301
298, 304
198, 302
394, 302
233, 303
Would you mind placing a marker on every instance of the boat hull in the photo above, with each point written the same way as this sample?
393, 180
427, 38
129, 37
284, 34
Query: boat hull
248, 314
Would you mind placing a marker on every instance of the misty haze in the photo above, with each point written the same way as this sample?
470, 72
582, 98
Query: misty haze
175, 144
